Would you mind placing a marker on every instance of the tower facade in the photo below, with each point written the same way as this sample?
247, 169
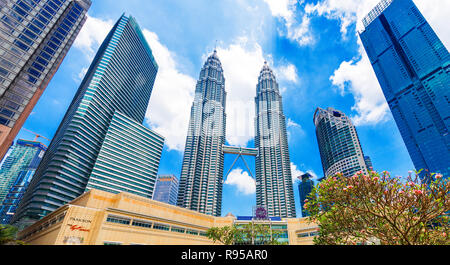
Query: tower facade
16, 174
274, 187
305, 187
24, 156
166, 189
35, 36
109, 106
339, 145
201, 181
412, 67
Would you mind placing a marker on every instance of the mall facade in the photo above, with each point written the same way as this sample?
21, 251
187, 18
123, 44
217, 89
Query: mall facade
102, 218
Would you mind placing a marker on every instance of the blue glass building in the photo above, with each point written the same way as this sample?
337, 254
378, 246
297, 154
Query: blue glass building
35, 36
100, 142
166, 189
412, 67
19, 167
369, 163
305, 187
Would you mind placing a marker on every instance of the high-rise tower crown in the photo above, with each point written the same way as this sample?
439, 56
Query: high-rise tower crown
266, 73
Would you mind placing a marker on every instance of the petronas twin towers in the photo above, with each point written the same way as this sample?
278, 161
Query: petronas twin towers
202, 171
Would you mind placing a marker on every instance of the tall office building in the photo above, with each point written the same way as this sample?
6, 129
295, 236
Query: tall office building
274, 187
166, 189
23, 156
35, 36
305, 187
16, 174
101, 142
412, 67
339, 145
129, 158
369, 163
201, 179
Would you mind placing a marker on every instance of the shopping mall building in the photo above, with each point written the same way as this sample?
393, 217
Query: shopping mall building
101, 218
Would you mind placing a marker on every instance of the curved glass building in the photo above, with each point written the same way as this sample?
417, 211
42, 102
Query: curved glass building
339, 145
274, 187
201, 181
101, 142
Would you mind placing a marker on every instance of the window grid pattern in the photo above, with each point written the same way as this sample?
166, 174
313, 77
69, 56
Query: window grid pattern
274, 188
120, 79
412, 66
339, 145
201, 181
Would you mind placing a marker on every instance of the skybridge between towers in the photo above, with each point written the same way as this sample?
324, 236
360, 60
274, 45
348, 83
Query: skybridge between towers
240, 152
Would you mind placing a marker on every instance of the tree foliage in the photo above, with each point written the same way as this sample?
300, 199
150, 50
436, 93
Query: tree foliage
380, 209
8, 235
249, 234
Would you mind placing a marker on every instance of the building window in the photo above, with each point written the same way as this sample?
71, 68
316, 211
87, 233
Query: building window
142, 224
178, 230
118, 220
161, 227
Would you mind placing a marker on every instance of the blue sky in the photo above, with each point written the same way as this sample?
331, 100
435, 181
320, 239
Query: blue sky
312, 46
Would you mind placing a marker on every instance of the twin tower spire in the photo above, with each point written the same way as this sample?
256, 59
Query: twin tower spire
201, 182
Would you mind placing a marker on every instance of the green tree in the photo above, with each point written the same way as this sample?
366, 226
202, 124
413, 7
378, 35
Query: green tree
247, 234
227, 235
8, 235
380, 209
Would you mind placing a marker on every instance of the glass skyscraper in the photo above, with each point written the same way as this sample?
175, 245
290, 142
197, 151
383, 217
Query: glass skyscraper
100, 142
16, 174
274, 188
201, 181
129, 158
369, 163
339, 145
166, 189
305, 187
35, 36
412, 67
24, 155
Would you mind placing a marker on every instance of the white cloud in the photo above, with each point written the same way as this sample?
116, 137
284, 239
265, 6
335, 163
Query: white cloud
172, 96
92, 34
173, 92
347, 12
294, 128
281, 8
296, 173
357, 76
299, 31
242, 181
242, 62
291, 123
287, 72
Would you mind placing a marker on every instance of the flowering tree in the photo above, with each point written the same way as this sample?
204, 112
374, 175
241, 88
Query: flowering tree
380, 209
